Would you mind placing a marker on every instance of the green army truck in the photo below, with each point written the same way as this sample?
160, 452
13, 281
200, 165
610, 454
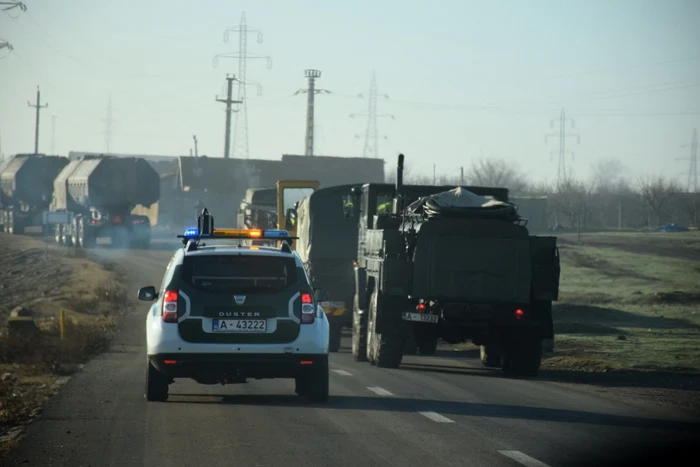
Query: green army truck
455, 264
327, 246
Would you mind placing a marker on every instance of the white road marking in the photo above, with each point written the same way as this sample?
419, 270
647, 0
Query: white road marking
523, 459
343, 372
380, 391
436, 417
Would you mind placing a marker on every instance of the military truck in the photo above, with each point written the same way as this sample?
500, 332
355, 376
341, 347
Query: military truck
94, 197
259, 209
328, 246
452, 264
26, 187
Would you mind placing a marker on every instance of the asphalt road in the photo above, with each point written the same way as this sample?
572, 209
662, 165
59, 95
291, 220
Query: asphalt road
435, 411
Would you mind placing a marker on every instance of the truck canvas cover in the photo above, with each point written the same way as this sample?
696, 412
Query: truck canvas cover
328, 241
463, 203
470, 249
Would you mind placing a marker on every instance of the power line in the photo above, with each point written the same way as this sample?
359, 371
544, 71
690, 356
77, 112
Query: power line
240, 135
561, 169
38, 108
228, 101
312, 76
371, 148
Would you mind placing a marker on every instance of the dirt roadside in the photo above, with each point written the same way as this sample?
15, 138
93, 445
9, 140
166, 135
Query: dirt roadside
38, 280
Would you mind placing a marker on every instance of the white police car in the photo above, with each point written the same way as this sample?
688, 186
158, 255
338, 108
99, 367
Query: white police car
234, 311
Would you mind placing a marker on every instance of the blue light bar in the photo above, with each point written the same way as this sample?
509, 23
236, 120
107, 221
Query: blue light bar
192, 232
275, 234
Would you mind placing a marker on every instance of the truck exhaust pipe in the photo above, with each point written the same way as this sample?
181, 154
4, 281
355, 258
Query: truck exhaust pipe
399, 185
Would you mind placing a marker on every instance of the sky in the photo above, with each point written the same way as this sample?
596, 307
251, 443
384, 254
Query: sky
457, 80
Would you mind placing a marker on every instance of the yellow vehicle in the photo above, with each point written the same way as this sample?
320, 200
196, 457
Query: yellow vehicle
289, 194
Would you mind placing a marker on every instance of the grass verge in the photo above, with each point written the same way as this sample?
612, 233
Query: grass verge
629, 302
40, 280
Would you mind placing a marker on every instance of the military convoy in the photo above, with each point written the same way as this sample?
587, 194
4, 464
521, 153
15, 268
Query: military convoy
94, 196
453, 264
26, 186
79, 200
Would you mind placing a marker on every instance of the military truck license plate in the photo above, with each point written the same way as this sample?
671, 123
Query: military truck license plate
239, 325
420, 317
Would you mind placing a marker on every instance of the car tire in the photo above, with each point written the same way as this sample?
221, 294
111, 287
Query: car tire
317, 384
156, 385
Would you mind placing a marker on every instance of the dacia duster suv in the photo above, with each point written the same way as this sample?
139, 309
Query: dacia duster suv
230, 312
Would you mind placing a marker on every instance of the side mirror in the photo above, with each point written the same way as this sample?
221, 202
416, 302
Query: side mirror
148, 294
320, 295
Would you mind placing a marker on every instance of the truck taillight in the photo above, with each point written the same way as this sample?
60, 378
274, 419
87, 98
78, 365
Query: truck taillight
519, 313
420, 308
308, 312
170, 306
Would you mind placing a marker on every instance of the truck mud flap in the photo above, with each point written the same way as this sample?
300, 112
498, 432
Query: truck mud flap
546, 269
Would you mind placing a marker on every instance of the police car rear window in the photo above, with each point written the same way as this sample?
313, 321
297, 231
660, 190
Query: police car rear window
239, 274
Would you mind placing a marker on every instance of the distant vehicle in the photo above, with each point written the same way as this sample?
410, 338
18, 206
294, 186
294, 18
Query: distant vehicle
327, 246
451, 264
94, 197
234, 311
259, 209
26, 189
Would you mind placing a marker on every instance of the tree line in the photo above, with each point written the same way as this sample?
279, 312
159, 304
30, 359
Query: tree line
606, 201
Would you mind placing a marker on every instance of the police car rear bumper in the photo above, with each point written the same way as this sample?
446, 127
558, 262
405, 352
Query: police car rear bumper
246, 365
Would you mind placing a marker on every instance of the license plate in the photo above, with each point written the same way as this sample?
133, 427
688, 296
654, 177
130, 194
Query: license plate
420, 317
239, 325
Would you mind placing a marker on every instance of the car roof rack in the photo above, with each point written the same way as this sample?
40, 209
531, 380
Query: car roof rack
205, 230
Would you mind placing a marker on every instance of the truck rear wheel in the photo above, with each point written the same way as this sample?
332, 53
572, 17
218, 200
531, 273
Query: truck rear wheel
359, 333
58, 234
384, 350
523, 356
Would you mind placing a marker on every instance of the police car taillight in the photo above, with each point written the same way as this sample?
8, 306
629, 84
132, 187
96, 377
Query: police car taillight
170, 306
308, 312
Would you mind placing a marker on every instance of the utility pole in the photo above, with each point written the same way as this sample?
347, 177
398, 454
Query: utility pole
228, 101
461, 176
434, 179
240, 135
693, 169
196, 151
108, 126
312, 75
371, 148
53, 134
38, 108
561, 170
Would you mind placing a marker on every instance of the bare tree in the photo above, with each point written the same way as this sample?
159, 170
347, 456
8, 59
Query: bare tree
571, 200
608, 174
656, 192
497, 173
